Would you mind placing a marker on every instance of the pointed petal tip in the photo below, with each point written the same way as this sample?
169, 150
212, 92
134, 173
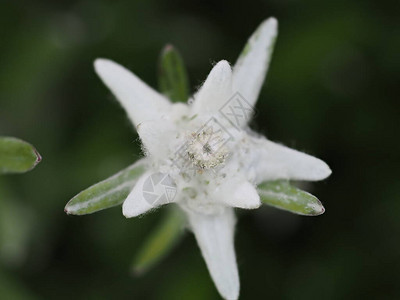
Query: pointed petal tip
102, 65
222, 66
216, 90
135, 207
277, 161
99, 62
317, 170
128, 212
246, 191
254, 59
214, 235
140, 101
272, 21
270, 24
328, 170
232, 294
223, 63
323, 171
230, 291
220, 73
269, 27
240, 195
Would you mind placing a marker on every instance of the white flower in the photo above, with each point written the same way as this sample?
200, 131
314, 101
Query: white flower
215, 163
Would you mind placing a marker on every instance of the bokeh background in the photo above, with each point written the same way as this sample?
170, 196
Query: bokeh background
332, 91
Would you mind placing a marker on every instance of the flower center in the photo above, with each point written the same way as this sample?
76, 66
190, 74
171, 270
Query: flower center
206, 149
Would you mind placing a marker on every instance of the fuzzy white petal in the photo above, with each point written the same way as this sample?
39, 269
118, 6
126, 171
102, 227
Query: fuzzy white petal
214, 234
144, 196
155, 136
275, 161
216, 90
240, 194
140, 101
252, 66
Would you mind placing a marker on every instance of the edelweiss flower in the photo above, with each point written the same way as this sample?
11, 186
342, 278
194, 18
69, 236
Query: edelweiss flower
207, 150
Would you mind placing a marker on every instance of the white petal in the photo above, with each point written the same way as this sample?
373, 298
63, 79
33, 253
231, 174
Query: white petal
140, 101
216, 90
252, 65
152, 190
155, 136
241, 194
273, 161
214, 235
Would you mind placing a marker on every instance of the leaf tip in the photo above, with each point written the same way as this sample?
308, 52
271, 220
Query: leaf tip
321, 212
317, 209
138, 271
168, 48
66, 210
38, 157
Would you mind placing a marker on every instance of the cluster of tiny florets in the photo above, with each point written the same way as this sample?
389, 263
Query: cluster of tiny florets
206, 150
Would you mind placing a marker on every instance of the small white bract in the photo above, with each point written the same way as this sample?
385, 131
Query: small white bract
216, 162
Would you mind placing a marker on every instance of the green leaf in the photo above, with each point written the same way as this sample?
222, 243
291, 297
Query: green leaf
107, 193
17, 156
281, 194
173, 80
166, 235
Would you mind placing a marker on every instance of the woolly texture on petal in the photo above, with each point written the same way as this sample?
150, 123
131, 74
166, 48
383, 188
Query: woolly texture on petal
252, 65
214, 234
155, 136
140, 101
147, 194
238, 193
273, 161
216, 90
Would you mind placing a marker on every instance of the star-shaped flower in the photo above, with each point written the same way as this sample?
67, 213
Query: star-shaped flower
204, 154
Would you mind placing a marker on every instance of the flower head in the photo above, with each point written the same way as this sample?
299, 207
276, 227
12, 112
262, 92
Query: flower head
208, 150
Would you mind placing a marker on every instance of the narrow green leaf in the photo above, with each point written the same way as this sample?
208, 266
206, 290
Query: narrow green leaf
17, 156
166, 235
173, 80
281, 194
107, 193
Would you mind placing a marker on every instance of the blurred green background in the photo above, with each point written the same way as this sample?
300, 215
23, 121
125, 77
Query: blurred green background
332, 91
